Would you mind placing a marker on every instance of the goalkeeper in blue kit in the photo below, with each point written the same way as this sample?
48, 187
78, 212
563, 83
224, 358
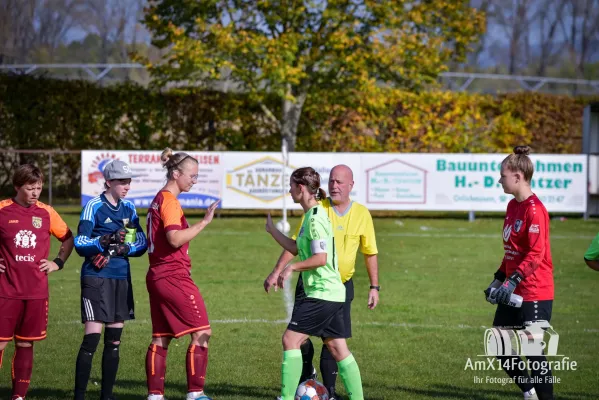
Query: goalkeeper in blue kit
108, 234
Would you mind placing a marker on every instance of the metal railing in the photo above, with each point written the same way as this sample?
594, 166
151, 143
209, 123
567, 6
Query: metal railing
62, 170
457, 81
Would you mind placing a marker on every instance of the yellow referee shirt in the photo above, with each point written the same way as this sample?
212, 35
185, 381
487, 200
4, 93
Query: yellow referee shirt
352, 229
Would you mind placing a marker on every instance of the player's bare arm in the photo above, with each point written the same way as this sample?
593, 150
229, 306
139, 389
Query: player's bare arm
271, 279
66, 248
179, 237
288, 244
372, 266
315, 261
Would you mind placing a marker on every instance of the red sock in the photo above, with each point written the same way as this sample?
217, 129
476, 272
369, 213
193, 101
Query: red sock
22, 365
1, 354
156, 368
196, 362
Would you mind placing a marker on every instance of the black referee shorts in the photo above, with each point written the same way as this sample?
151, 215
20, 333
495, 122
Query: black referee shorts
516, 318
106, 300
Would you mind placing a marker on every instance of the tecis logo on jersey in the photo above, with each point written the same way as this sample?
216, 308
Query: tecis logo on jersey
26, 240
27, 258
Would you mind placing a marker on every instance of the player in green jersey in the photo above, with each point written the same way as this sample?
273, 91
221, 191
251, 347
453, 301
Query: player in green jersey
320, 311
591, 257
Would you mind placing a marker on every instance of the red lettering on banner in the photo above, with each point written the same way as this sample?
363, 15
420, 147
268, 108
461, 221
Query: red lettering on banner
155, 159
144, 158
208, 159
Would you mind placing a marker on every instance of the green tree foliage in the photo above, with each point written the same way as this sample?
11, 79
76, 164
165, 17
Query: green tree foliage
41, 113
301, 50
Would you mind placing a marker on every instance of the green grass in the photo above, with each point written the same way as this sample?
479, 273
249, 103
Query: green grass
415, 345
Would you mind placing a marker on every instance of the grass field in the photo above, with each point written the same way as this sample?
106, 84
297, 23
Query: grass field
414, 345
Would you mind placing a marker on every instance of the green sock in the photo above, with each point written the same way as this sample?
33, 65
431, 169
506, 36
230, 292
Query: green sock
350, 374
291, 371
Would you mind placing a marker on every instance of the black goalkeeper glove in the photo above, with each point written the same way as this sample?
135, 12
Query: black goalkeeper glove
116, 237
121, 250
102, 259
504, 293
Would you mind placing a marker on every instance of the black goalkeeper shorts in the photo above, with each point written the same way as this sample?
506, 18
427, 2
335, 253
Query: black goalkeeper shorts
106, 300
515, 318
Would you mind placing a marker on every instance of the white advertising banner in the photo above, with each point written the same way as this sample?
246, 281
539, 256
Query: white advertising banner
256, 180
467, 182
383, 181
150, 176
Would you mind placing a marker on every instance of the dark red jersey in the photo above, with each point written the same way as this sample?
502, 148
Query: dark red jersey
527, 248
165, 214
24, 242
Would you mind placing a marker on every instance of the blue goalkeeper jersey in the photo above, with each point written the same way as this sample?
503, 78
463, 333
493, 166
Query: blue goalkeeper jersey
99, 218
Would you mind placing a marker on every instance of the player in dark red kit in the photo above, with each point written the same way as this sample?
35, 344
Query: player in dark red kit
176, 305
526, 270
25, 228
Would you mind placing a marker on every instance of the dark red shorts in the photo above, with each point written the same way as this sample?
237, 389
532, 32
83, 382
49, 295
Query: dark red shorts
23, 319
176, 306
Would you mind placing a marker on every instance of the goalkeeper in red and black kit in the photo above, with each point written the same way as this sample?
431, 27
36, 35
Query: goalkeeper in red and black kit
108, 234
526, 270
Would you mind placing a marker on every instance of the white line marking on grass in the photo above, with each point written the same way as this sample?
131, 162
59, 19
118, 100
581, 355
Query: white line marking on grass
258, 321
289, 298
420, 235
472, 235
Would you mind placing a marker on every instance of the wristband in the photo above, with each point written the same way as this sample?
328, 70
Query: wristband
377, 288
500, 275
59, 262
516, 277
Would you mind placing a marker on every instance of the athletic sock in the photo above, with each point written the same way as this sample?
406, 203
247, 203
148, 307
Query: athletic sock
156, 369
519, 376
83, 367
196, 363
22, 366
307, 350
350, 374
291, 371
110, 366
328, 369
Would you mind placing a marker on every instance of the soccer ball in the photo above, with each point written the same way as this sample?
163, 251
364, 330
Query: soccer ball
311, 390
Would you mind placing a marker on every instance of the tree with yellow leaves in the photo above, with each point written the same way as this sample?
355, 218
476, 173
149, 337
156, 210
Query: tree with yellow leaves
299, 50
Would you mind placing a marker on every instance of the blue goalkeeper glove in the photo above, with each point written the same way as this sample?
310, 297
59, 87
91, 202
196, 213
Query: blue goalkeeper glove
505, 291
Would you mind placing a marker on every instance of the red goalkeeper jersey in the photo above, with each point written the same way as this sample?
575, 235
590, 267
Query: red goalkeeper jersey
527, 248
24, 242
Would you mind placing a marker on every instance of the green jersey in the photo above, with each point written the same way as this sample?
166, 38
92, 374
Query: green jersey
593, 250
316, 236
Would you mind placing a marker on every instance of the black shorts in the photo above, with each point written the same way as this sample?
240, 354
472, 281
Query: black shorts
349, 297
106, 300
316, 317
515, 318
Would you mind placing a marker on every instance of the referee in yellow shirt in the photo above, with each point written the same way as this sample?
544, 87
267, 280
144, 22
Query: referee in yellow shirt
353, 230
